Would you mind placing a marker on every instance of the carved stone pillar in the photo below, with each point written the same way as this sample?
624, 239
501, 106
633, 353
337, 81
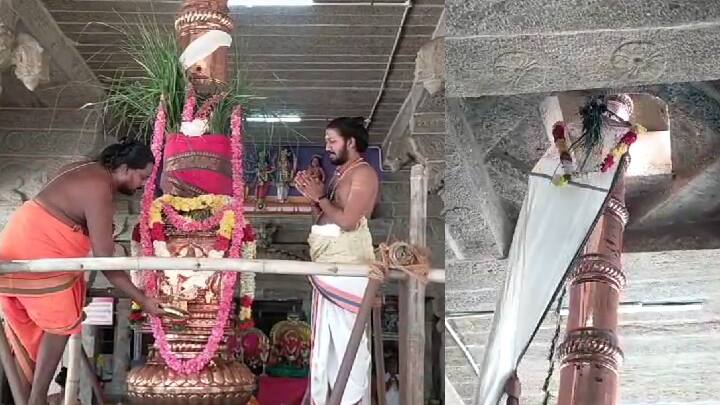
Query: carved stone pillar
590, 354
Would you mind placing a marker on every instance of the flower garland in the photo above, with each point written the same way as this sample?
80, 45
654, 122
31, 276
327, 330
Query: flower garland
560, 137
247, 285
559, 132
223, 218
232, 224
621, 147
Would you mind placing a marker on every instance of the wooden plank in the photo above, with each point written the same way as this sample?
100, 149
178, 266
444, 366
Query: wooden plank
172, 7
284, 46
245, 19
272, 41
285, 65
74, 30
296, 58
412, 300
269, 73
41, 25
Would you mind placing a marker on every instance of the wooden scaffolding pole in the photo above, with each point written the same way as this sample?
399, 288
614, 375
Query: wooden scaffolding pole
290, 267
73, 376
412, 300
353, 345
19, 388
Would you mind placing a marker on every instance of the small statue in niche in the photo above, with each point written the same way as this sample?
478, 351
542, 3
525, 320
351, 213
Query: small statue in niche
262, 182
285, 174
315, 170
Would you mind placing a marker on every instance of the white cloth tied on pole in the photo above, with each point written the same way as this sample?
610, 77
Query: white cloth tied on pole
553, 226
203, 46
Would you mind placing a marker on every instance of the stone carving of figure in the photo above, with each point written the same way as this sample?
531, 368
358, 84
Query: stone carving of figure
7, 41
31, 63
430, 65
264, 176
285, 174
315, 170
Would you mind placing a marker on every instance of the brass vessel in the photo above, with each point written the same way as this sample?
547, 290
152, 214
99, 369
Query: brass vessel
225, 380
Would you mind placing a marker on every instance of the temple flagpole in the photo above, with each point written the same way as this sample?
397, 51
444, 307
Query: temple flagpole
590, 354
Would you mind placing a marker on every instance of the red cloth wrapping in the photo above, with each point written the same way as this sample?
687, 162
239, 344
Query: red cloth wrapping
281, 391
196, 165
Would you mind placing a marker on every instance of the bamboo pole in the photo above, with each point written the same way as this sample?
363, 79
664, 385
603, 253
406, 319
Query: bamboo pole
292, 267
379, 355
73, 376
18, 388
90, 370
361, 321
412, 300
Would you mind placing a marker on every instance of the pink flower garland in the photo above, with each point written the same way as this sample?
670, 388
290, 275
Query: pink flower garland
229, 279
158, 141
190, 104
238, 181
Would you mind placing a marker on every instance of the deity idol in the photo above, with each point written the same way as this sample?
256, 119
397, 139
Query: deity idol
285, 174
263, 178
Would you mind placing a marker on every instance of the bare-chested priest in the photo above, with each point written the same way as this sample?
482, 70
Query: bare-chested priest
341, 235
71, 217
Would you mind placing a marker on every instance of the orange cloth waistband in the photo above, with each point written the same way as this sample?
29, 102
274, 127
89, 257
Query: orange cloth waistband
33, 233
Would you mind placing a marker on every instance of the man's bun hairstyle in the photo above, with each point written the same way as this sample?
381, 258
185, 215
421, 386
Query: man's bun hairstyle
352, 127
134, 154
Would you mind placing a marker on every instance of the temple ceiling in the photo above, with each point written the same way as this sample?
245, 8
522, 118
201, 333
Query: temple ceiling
318, 63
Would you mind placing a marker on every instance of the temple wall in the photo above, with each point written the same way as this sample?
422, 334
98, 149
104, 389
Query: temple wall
35, 143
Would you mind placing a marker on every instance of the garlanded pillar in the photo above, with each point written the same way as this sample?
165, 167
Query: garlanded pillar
590, 354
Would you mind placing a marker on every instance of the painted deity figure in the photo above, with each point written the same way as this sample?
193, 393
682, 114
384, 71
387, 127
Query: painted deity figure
315, 170
285, 174
263, 179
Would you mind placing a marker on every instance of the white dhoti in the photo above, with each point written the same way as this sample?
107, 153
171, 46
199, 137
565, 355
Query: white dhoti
336, 301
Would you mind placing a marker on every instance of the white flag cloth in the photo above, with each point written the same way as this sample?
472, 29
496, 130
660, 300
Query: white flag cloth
204, 46
553, 226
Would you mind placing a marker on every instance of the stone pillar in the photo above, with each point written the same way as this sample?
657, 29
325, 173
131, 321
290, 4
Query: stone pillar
590, 355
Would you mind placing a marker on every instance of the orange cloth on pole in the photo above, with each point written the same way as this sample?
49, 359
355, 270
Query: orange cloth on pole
36, 303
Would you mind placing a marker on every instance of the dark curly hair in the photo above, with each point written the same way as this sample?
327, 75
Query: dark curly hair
134, 154
352, 127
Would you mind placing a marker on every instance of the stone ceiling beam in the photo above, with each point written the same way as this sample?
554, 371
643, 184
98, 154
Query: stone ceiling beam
500, 48
63, 54
460, 135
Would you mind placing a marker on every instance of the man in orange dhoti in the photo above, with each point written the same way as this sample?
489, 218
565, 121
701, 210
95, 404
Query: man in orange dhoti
71, 217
